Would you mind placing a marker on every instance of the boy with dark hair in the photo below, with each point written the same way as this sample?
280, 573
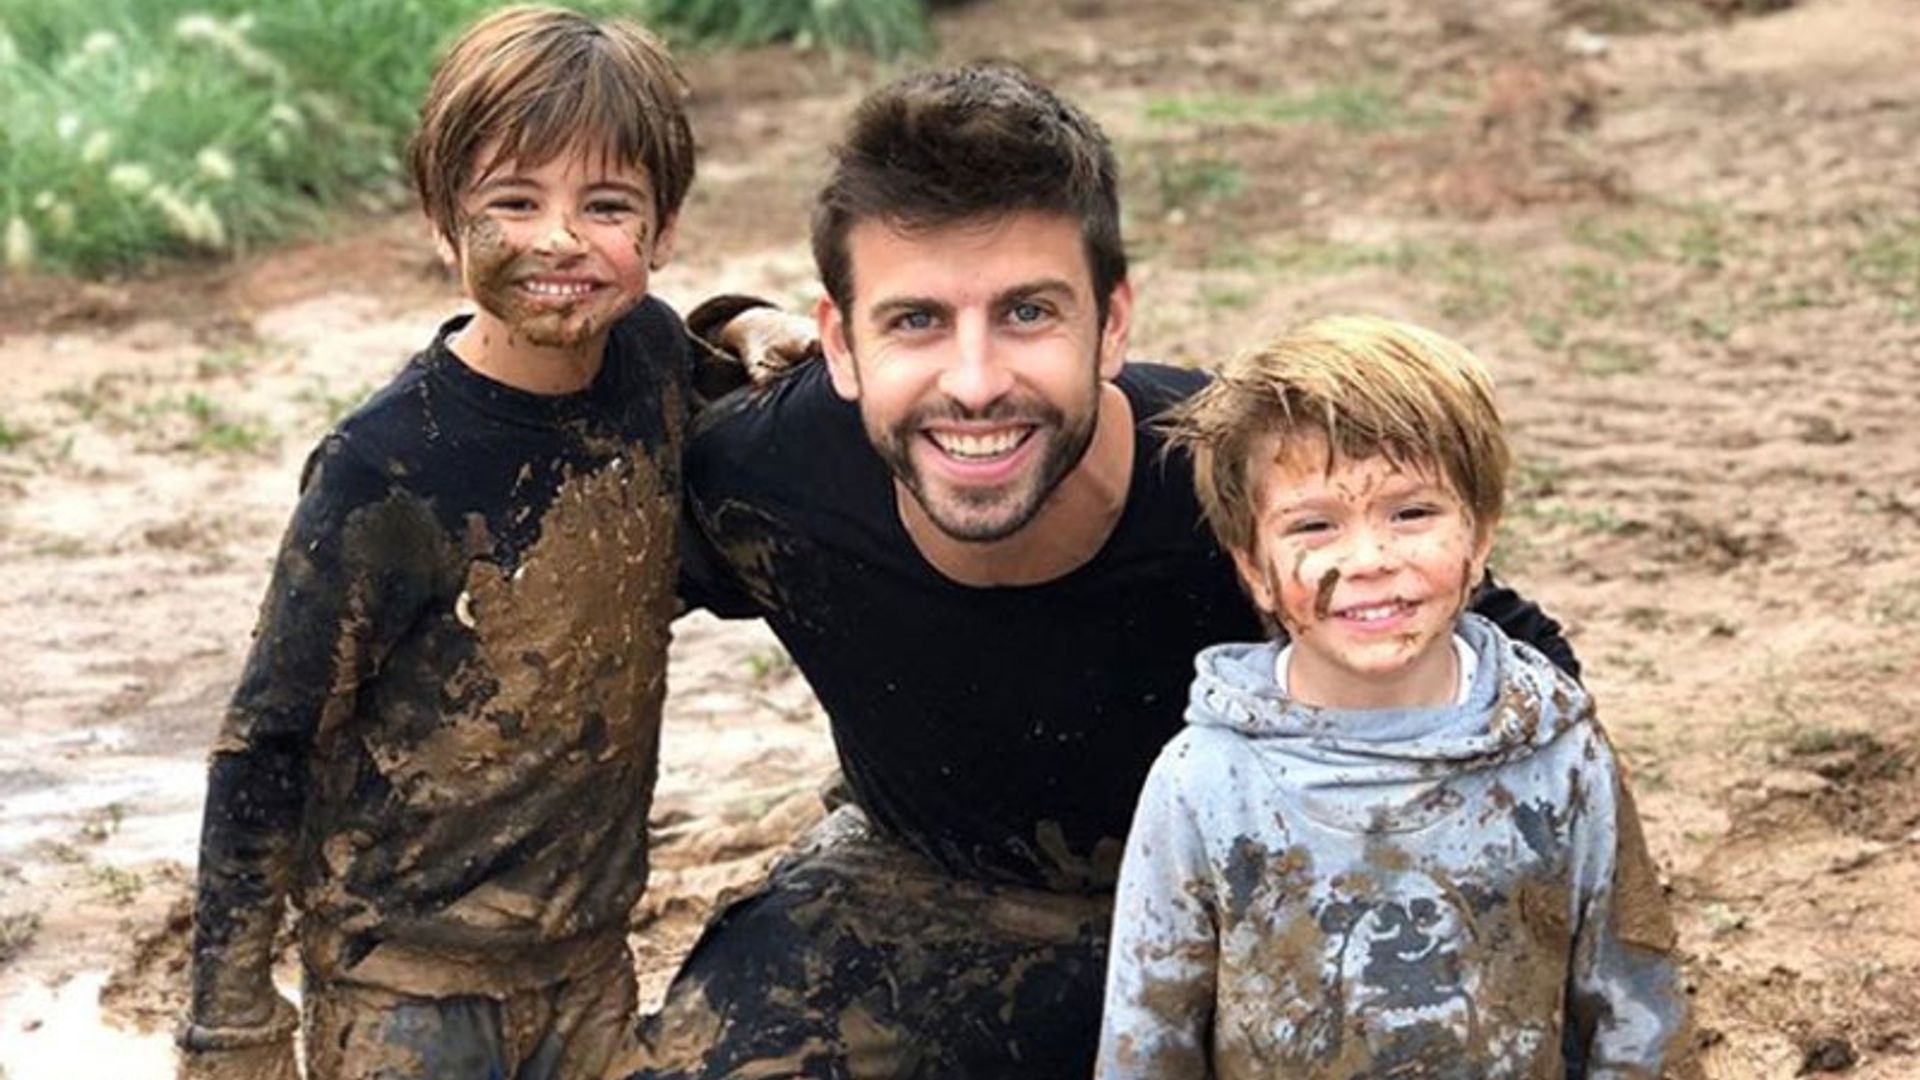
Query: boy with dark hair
443, 746
1395, 842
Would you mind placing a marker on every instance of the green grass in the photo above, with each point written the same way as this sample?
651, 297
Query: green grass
131, 129
1191, 182
881, 27
12, 435
1889, 258
1356, 107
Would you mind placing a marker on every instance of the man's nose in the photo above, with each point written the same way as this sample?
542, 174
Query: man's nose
976, 375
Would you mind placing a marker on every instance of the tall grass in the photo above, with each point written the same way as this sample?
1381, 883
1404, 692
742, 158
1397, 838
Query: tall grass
136, 128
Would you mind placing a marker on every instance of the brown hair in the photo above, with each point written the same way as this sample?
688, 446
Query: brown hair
535, 82
1365, 385
960, 144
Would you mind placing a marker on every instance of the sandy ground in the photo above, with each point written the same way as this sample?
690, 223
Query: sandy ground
1687, 235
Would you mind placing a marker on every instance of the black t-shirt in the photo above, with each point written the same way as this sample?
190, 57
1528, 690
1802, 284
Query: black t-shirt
1002, 731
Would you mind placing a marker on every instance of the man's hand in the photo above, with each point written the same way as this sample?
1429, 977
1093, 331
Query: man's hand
258, 1052
770, 342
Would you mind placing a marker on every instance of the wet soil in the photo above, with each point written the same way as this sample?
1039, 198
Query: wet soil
1683, 233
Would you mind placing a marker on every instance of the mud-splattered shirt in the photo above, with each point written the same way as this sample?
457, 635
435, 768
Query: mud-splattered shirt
443, 744
1454, 892
1003, 732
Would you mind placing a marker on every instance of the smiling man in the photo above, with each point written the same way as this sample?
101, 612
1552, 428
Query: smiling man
965, 530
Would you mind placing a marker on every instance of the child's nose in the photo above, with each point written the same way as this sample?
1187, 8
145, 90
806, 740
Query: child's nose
559, 238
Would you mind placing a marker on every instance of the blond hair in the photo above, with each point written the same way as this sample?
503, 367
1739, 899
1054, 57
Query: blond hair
526, 84
1367, 386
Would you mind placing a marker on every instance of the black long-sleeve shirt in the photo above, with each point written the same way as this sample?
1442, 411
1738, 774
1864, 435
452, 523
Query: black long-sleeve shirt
443, 744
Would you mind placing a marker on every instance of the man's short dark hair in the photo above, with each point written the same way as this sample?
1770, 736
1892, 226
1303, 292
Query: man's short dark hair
964, 144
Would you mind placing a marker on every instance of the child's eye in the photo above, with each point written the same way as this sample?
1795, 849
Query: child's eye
1418, 512
510, 204
1308, 527
609, 208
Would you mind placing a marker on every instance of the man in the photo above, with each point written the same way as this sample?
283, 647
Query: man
963, 528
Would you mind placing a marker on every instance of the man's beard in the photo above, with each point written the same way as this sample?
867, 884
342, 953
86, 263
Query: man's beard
999, 511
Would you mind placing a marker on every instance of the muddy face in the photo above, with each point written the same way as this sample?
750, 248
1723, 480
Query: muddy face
1367, 565
554, 253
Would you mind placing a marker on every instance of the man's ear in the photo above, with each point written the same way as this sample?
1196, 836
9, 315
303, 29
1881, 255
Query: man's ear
663, 243
1254, 578
833, 342
1113, 336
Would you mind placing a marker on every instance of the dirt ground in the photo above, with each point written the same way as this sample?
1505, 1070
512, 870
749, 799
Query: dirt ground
1686, 233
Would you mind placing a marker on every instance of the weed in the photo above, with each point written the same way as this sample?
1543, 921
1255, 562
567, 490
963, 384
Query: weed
333, 406
1358, 107
229, 361
103, 822
1536, 477
1715, 327
122, 887
1608, 358
12, 435
1546, 331
1585, 519
765, 665
1703, 243
1595, 291
882, 27
17, 931
1625, 241
1180, 183
1219, 298
1889, 259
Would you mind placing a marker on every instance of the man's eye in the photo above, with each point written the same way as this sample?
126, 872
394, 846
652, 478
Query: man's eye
912, 321
1026, 311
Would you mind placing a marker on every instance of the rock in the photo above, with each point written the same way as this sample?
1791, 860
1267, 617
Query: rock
1827, 1054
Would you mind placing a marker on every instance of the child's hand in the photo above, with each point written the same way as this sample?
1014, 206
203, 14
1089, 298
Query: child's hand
264, 1052
770, 342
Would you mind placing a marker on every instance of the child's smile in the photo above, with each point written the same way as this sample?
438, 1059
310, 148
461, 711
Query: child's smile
1367, 565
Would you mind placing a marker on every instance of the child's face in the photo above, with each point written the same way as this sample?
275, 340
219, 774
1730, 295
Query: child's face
559, 251
1367, 566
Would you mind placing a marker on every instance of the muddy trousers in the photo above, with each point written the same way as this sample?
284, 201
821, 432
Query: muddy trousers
860, 960
570, 1030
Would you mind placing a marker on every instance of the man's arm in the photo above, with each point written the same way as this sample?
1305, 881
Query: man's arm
1161, 968
348, 576
1524, 620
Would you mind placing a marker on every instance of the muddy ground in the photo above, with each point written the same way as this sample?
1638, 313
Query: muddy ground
1686, 233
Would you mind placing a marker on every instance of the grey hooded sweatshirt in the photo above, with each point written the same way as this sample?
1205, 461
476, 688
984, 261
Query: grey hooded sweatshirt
1450, 893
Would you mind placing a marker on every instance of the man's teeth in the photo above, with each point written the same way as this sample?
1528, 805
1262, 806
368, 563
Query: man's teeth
977, 446
1375, 613
565, 290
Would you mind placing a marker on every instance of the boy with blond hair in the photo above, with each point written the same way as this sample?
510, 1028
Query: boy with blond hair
1392, 842
443, 746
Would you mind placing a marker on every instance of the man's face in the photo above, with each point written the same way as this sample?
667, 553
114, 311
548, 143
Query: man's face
555, 253
1367, 565
976, 353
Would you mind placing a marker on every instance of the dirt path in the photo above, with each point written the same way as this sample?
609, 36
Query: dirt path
1690, 246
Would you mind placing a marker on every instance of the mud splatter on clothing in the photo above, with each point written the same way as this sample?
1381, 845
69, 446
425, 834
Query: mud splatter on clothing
1001, 734
860, 958
1457, 891
443, 745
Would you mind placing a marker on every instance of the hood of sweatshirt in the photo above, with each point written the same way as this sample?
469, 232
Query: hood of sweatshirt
1390, 770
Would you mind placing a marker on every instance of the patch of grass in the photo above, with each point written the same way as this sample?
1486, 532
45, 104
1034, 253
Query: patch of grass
1608, 358
214, 429
1222, 298
142, 128
333, 406
1623, 241
1356, 107
1585, 519
17, 931
1889, 259
1546, 331
1192, 182
1595, 291
1705, 241
232, 360
765, 665
13, 435
881, 27
122, 887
